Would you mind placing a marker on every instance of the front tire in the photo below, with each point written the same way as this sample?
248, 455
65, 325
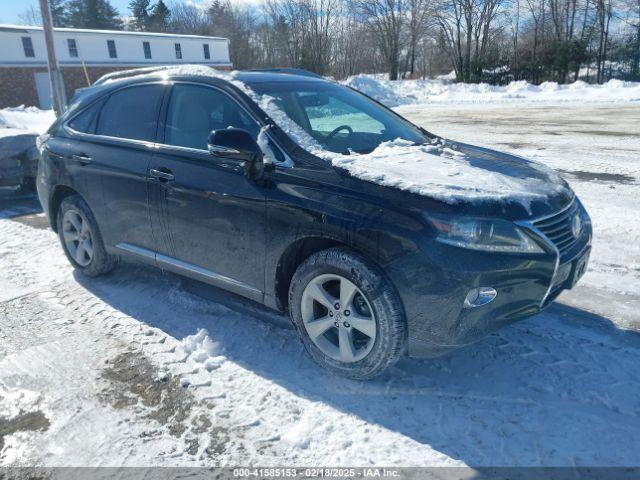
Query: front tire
81, 240
347, 314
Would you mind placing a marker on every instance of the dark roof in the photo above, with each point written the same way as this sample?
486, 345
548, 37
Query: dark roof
288, 70
264, 76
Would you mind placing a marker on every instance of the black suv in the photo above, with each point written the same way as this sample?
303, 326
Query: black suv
187, 171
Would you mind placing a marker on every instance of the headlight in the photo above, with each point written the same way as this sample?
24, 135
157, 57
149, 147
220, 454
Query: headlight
483, 234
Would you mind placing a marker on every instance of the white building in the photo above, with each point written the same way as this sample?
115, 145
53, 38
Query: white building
85, 55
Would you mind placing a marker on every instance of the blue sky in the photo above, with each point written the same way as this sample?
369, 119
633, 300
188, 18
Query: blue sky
10, 10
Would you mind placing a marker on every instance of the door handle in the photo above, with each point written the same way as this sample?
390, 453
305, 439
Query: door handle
162, 175
81, 158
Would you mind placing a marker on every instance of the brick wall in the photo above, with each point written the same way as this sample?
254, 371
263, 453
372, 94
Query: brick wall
18, 84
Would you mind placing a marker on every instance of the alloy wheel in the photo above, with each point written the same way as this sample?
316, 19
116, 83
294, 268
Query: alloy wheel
77, 236
338, 318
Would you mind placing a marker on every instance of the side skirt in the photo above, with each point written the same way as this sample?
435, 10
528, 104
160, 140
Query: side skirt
189, 270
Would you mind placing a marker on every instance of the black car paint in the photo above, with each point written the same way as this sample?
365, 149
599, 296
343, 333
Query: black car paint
253, 234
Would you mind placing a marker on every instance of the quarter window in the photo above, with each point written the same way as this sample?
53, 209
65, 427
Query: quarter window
207, 54
131, 113
194, 111
73, 47
111, 46
85, 122
27, 44
146, 46
178, 51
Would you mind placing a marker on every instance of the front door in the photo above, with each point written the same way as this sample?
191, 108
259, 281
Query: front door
211, 217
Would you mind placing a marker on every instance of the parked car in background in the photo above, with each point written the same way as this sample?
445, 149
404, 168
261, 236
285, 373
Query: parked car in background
18, 161
167, 169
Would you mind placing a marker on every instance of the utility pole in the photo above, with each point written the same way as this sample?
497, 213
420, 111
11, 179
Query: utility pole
57, 85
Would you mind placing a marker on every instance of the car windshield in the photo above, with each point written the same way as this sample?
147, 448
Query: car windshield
338, 118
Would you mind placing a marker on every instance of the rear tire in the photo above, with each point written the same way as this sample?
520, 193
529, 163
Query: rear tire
81, 239
370, 321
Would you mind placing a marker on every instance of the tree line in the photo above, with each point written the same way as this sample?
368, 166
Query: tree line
494, 41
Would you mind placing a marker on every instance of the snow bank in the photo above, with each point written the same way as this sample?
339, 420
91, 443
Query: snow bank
403, 92
19, 120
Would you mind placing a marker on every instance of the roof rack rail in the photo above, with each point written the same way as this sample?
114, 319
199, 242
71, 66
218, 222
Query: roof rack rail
288, 70
130, 73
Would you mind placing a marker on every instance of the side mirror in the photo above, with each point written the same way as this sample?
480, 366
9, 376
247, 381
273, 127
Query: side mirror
233, 143
237, 144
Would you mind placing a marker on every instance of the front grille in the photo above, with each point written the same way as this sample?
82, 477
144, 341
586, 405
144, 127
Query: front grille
557, 228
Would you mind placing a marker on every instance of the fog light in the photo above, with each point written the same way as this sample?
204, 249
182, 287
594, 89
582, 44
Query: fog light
479, 296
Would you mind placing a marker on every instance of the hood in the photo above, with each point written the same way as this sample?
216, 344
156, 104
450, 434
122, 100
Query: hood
472, 180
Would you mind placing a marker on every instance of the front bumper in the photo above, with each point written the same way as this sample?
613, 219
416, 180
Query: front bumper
434, 281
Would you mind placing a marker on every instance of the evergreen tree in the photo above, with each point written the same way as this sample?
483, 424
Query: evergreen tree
160, 17
98, 14
140, 11
58, 12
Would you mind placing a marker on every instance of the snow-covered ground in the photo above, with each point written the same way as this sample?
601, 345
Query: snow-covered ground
118, 371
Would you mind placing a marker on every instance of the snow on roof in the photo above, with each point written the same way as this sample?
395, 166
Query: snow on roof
26, 28
186, 69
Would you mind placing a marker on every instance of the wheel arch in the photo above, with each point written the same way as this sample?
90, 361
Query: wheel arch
60, 192
297, 252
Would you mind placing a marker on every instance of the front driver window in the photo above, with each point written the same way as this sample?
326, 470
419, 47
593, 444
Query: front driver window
194, 111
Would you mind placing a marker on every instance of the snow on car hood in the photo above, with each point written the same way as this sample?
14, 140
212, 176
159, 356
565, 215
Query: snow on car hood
452, 172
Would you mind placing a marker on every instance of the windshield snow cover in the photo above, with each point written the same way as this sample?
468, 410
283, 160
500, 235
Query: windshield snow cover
443, 170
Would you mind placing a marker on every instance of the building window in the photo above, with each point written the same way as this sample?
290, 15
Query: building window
73, 47
27, 44
207, 55
178, 51
111, 45
147, 50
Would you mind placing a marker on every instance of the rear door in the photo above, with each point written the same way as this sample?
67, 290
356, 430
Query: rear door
119, 155
212, 217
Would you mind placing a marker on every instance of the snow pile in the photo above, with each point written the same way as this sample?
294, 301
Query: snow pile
403, 92
19, 120
200, 348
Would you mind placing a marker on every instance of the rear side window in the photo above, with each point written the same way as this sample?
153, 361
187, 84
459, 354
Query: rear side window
194, 111
131, 113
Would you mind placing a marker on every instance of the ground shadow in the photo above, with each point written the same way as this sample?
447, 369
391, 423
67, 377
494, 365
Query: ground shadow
15, 202
562, 388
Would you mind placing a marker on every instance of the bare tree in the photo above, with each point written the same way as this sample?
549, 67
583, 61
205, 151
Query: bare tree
386, 18
187, 18
420, 13
604, 13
